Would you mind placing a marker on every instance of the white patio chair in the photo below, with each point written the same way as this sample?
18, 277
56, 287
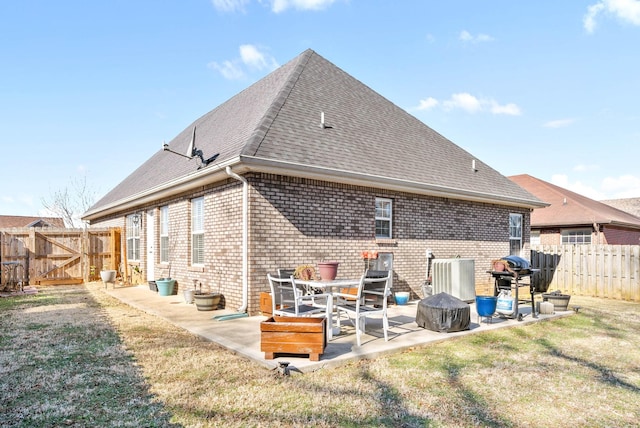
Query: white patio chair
288, 299
370, 300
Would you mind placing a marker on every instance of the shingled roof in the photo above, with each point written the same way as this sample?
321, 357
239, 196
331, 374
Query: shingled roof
7, 221
275, 126
570, 209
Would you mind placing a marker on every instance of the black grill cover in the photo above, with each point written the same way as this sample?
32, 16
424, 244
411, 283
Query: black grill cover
443, 313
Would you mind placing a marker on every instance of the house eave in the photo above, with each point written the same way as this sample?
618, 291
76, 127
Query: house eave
201, 177
256, 164
243, 164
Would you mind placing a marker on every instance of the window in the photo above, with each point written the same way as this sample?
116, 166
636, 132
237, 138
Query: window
383, 217
515, 234
576, 236
133, 237
197, 231
164, 234
535, 237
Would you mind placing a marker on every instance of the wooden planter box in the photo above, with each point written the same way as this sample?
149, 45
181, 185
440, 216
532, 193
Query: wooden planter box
293, 335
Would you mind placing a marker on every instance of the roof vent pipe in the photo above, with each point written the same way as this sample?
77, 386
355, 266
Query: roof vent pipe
245, 233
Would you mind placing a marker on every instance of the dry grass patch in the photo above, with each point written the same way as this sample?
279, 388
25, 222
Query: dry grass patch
85, 359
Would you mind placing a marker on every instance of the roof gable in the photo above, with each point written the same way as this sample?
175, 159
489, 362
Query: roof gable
7, 221
570, 209
277, 121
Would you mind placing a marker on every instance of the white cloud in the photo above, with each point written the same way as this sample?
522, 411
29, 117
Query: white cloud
253, 58
560, 123
250, 57
577, 187
428, 104
508, 109
278, 6
625, 10
465, 36
464, 101
625, 186
228, 69
471, 104
230, 5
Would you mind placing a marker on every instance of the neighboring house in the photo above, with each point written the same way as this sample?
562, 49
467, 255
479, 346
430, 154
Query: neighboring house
8, 221
575, 219
630, 205
311, 164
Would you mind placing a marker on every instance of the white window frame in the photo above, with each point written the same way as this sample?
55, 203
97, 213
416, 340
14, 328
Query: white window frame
133, 237
515, 234
197, 231
384, 216
164, 234
534, 237
581, 236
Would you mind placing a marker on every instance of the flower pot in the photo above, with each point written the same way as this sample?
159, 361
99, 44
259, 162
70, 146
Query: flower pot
293, 335
207, 302
188, 296
560, 301
165, 286
402, 297
486, 305
328, 270
108, 276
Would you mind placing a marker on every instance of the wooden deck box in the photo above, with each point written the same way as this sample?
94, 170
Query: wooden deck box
293, 335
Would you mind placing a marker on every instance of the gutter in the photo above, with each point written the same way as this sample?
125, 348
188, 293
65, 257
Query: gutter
245, 233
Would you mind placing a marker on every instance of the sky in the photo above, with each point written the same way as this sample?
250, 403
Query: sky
91, 89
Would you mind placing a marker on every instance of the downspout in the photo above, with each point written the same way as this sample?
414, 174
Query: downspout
245, 239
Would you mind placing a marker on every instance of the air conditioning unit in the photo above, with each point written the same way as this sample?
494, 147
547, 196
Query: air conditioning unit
455, 277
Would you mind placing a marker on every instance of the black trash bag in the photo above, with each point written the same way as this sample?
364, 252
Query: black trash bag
443, 313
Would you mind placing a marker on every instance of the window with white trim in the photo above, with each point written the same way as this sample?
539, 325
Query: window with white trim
164, 234
197, 231
535, 237
575, 236
133, 237
515, 234
384, 211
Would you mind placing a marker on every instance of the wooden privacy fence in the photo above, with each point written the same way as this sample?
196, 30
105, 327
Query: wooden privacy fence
611, 271
59, 255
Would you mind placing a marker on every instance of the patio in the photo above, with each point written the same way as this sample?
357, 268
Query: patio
241, 334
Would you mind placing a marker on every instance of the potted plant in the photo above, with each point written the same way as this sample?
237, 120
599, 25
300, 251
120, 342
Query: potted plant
206, 300
328, 270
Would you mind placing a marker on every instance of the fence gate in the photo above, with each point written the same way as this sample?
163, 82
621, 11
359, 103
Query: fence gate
50, 256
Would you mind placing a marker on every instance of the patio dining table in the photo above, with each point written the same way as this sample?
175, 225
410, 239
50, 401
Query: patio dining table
328, 287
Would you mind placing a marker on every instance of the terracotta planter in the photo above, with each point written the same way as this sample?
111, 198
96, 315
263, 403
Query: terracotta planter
293, 335
328, 270
207, 302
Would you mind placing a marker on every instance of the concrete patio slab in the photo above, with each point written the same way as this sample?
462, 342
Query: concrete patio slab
241, 334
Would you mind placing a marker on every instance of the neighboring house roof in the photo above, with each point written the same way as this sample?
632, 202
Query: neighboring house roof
630, 205
569, 209
7, 221
274, 126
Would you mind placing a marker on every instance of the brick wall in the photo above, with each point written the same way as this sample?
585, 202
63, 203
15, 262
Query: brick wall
295, 221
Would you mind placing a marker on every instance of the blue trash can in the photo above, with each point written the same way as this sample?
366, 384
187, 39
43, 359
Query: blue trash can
486, 305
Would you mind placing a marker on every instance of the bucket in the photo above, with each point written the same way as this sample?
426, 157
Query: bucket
402, 297
486, 305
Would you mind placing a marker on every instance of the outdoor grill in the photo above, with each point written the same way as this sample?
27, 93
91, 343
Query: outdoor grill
508, 272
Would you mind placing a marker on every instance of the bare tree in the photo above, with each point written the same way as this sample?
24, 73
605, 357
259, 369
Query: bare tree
72, 201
